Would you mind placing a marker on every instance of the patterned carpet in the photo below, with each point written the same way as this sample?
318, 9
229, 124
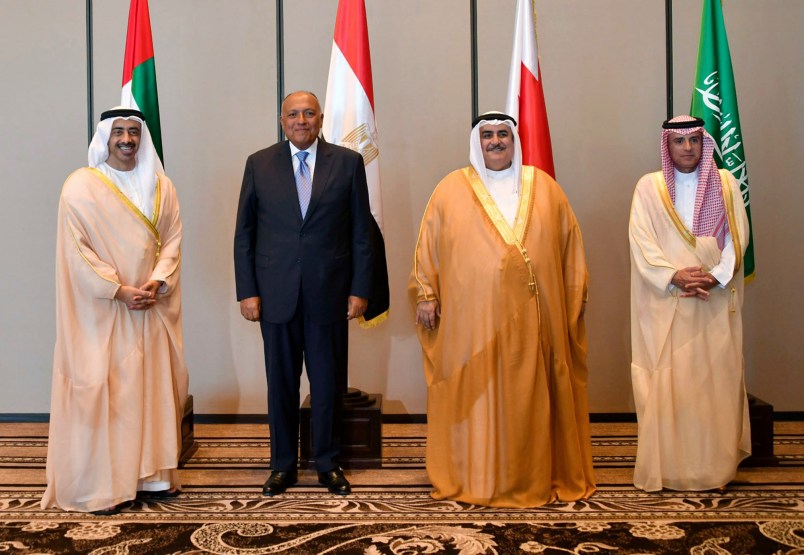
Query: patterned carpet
390, 512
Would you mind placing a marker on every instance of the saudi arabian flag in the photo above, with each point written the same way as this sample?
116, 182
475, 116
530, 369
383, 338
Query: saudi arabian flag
139, 71
715, 101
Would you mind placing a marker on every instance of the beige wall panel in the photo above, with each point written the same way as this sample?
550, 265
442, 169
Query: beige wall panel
216, 73
44, 138
603, 70
495, 32
603, 76
766, 50
423, 102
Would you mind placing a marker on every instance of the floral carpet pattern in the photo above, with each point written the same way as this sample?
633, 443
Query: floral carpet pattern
221, 511
376, 539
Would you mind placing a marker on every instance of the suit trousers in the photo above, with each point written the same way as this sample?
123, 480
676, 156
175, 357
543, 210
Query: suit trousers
324, 349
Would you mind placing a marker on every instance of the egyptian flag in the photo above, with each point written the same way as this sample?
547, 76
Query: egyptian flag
349, 122
139, 72
525, 100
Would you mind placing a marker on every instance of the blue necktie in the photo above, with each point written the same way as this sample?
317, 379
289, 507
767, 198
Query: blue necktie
304, 183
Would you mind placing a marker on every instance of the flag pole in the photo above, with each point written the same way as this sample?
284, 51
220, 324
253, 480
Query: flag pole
668, 21
280, 67
90, 99
473, 36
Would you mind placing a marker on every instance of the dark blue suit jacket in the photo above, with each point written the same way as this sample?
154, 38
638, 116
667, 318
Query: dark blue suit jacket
326, 257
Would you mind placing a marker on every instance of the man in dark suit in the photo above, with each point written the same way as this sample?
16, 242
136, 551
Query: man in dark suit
303, 267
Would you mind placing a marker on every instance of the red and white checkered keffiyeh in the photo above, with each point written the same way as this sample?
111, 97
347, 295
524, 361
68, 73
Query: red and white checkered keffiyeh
709, 218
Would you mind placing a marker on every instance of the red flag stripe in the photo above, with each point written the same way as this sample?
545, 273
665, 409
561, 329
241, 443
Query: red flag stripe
139, 44
351, 36
534, 132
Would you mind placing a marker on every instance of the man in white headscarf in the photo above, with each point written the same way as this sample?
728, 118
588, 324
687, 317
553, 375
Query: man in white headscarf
688, 232
119, 377
499, 284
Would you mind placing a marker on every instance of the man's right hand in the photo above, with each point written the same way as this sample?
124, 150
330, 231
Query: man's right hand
250, 308
693, 282
427, 314
135, 298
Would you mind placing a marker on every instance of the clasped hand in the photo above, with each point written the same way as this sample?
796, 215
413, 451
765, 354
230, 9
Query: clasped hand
138, 298
694, 282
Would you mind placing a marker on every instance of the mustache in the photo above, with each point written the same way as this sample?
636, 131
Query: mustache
498, 147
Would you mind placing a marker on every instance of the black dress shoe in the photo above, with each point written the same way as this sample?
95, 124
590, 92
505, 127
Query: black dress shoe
160, 494
335, 481
113, 510
278, 482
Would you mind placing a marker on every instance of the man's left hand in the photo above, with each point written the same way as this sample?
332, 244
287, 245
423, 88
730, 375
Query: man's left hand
145, 302
706, 282
357, 306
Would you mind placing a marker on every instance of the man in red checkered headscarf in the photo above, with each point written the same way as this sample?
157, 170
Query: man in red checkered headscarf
688, 232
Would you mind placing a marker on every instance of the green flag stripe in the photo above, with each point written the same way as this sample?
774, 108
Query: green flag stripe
714, 99
143, 88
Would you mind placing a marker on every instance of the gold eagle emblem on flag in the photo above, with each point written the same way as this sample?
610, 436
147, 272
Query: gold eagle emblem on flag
360, 140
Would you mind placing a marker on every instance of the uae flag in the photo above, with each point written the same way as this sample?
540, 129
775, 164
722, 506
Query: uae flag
349, 122
525, 100
139, 72
714, 100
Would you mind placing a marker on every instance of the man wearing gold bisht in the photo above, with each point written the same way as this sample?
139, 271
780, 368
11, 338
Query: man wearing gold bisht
499, 283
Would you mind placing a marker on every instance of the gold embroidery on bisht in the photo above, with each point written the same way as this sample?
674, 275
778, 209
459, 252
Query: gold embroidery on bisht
509, 235
728, 202
130, 205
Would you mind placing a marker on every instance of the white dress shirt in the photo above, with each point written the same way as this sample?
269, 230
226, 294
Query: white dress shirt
312, 151
141, 195
504, 191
